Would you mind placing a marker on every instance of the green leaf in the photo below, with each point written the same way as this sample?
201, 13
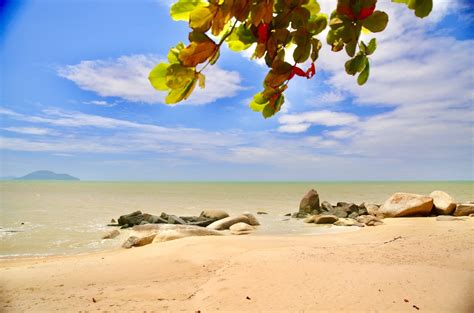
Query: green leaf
157, 76
371, 47
318, 24
201, 19
313, 7
299, 17
177, 95
362, 79
376, 22
351, 48
173, 54
423, 8
315, 47
178, 76
240, 39
182, 8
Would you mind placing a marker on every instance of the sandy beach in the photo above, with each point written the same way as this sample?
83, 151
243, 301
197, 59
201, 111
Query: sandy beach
406, 265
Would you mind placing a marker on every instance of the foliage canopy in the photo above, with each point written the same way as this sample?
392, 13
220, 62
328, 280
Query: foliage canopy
274, 28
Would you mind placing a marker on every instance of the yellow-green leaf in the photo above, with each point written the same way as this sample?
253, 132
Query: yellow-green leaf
178, 76
157, 76
201, 18
182, 8
376, 22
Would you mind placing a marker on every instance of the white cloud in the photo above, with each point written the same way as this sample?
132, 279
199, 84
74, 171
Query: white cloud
325, 118
29, 130
101, 103
294, 128
127, 78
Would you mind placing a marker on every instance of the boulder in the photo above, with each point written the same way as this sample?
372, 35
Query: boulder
225, 223
309, 203
252, 219
406, 204
348, 222
153, 219
166, 232
214, 214
241, 229
464, 209
326, 206
325, 219
134, 241
443, 204
111, 234
134, 218
339, 212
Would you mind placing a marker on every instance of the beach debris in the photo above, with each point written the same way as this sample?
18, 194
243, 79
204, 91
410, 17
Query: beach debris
414, 306
111, 234
94, 300
443, 203
406, 204
225, 223
392, 240
287, 214
406, 300
248, 298
241, 229
464, 209
261, 212
214, 214
113, 221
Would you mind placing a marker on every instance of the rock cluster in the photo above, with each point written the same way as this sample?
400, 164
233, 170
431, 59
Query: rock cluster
148, 228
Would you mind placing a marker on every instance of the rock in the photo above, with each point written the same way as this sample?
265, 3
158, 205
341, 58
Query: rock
111, 234
198, 220
134, 241
371, 208
362, 210
443, 204
353, 215
131, 219
325, 219
153, 219
113, 221
261, 212
287, 214
369, 220
464, 209
471, 215
173, 219
241, 229
339, 212
347, 222
252, 219
406, 204
326, 206
225, 223
165, 232
444, 218
309, 219
310, 202
299, 215
348, 207
214, 214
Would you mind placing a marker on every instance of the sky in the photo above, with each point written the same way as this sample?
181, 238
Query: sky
74, 98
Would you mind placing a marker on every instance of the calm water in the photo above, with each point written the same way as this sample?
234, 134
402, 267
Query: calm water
70, 217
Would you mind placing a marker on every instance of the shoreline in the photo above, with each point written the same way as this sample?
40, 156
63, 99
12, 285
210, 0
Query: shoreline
427, 262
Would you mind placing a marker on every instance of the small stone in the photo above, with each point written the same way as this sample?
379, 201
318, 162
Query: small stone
241, 229
310, 219
261, 212
325, 219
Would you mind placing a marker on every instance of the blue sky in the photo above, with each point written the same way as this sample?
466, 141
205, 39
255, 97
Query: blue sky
75, 99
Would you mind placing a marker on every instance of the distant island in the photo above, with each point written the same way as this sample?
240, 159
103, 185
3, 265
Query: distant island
47, 175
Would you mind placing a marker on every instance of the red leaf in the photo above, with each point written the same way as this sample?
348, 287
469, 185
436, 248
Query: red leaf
346, 10
311, 71
366, 12
262, 32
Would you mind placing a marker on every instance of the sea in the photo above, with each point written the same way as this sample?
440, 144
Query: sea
41, 218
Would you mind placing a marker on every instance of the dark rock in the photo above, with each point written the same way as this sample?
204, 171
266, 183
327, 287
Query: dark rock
173, 219
326, 206
299, 215
353, 215
362, 210
287, 214
131, 219
325, 219
113, 225
153, 219
339, 212
261, 212
310, 203
125, 226
113, 221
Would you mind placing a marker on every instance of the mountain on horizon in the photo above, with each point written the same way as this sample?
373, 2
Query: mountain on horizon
47, 175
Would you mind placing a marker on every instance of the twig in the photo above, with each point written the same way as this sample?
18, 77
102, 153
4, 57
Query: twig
392, 240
